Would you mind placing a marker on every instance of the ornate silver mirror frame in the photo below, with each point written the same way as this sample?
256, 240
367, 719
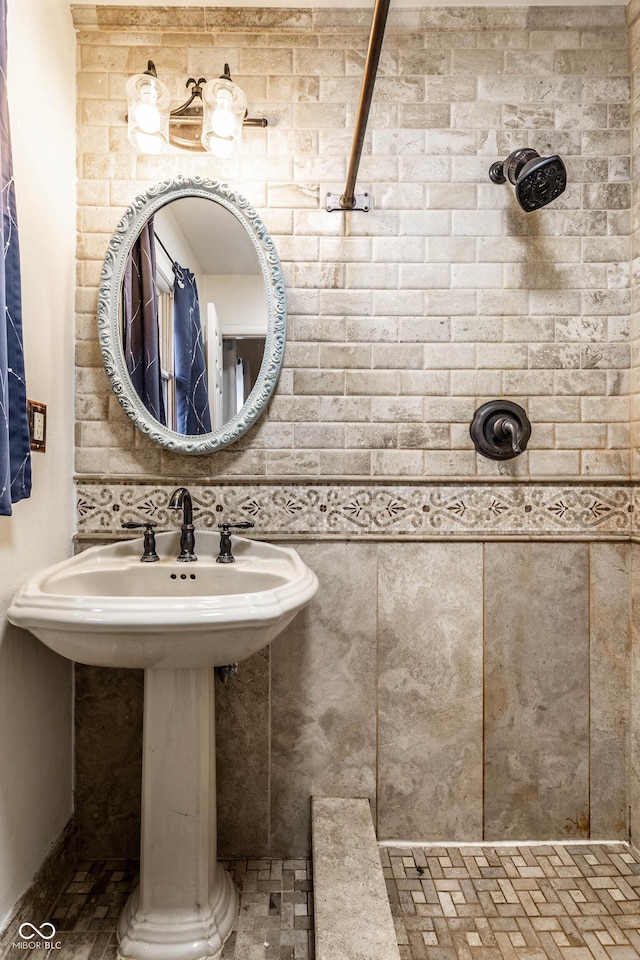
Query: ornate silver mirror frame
109, 325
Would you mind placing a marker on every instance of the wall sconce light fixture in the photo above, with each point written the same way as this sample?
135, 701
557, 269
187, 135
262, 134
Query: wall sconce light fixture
211, 119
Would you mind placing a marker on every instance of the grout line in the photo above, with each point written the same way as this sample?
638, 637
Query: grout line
269, 756
492, 844
377, 692
483, 631
590, 644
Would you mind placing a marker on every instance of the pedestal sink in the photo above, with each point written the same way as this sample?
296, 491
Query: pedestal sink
177, 621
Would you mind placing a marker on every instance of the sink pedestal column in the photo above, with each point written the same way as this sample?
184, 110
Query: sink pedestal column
186, 903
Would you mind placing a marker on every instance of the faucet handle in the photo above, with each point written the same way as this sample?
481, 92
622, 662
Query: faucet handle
225, 555
500, 430
149, 553
506, 428
240, 525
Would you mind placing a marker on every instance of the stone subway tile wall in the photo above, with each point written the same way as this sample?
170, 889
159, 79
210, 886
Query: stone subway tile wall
402, 320
633, 16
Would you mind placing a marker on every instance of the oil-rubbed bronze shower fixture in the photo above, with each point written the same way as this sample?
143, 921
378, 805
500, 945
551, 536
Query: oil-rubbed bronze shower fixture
538, 180
500, 430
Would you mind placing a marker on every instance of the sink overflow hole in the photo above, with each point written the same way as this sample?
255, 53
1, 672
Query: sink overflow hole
183, 576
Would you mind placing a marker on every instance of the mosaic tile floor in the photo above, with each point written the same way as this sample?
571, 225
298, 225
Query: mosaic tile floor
275, 921
515, 903
561, 902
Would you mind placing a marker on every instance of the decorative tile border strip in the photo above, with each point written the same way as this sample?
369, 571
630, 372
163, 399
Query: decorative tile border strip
428, 510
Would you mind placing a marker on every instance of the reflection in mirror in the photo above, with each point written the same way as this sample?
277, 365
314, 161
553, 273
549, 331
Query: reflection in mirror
192, 315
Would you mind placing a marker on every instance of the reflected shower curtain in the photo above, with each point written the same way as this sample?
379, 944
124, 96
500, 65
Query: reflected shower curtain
15, 456
141, 336
192, 394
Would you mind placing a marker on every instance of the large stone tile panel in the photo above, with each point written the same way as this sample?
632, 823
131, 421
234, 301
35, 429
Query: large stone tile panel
323, 702
242, 760
536, 691
108, 761
430, 691
610, 656
634, 719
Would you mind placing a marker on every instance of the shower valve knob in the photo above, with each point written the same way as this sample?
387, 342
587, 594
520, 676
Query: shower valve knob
500, 430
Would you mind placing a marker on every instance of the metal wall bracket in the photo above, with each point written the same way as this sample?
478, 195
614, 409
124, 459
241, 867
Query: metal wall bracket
338, 201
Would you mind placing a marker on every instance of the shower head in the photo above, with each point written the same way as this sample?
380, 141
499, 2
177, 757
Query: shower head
538, 180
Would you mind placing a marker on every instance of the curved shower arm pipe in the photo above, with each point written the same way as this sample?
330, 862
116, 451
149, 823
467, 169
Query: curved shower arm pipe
349, 200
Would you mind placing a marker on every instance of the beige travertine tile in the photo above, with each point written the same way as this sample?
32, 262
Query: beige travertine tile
609, 582
242, 730
286, 463
536, 691
108, 703
92, 460
604, 463
547, 463
634, 683
430, 690
340, 463
450, 463
323, 693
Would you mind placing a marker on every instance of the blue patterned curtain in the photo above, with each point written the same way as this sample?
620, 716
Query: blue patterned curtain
192, 392
141, 335
15, 456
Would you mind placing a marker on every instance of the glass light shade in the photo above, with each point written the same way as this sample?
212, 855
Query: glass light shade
148, 104
224, 109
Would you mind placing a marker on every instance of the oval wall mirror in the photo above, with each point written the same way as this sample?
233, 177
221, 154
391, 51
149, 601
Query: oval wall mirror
192, 314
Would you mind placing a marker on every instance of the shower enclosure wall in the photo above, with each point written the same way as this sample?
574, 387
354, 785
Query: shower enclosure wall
468, 662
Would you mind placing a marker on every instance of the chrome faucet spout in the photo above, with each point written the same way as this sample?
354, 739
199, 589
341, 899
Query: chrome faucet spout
181, 500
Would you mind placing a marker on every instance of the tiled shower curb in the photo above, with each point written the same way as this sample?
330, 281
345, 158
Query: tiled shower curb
351, 907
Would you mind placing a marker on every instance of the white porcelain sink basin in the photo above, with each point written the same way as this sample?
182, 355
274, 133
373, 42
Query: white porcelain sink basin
104, 607
177, 620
